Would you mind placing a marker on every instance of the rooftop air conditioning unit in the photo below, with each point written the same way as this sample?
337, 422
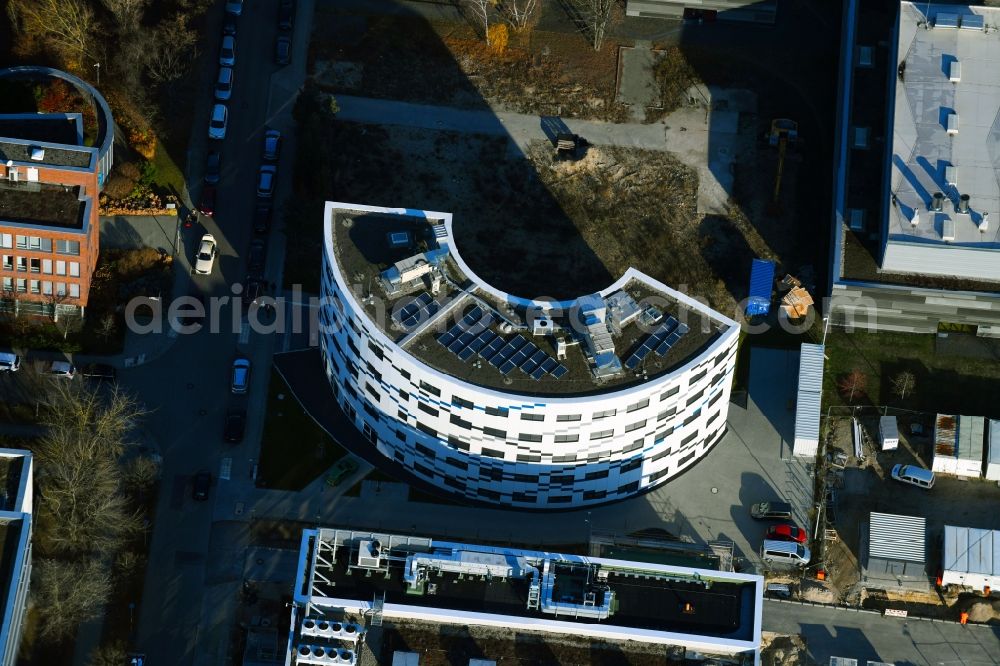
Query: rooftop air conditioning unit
370, 554
955, 71
952, 124
948, 230
37, 153
951, 175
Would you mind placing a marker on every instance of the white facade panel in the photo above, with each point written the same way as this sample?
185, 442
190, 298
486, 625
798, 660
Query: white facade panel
808, 404
470, 440
993, 452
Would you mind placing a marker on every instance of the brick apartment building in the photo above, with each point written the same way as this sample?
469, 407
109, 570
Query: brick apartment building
49, 187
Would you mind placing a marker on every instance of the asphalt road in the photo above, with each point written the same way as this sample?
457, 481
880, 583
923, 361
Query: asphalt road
187, 389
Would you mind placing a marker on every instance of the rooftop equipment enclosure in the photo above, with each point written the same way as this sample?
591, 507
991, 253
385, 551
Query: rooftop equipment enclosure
761, 281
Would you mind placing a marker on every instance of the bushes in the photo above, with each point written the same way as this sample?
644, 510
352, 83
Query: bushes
123, 180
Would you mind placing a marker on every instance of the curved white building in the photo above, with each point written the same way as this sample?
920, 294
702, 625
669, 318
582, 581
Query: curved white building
497, 398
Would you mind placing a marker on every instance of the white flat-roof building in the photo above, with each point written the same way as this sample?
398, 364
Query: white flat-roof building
945, 213
358, 579
958, 445
808, 402
510, 400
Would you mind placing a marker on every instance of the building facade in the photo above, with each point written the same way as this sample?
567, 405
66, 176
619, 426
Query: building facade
752, 11
50, 183
15, 562
584, 444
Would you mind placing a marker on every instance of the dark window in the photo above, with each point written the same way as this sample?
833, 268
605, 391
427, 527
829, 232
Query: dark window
658, 475
526, 437
524, 497
715, 398
427, 429
491, 473
605, 414
696, 397
492, 453
594, 494
462, 402
526, 478
560, 479
639, 405
488, 494
712, 419
562, 439
350, 391
635, 426
403, 395
524, 457
634, 446
601, 434
354, 327
458, 444
400, 436
497, 411
402, 416
421, 469
633, 464
661, 455
424, 407
462, 423
695, 378
404, 374
680, 463
454, 483
670, 392
693, 417
666, 413
568, 417
690, 438
433, 390
455, 462
424, 451
353, 347
398, 456
600, 474
375, 350
560, 499
663, 434
628, 488
372, 412
493, 432
371, 389
566, 458
374, 373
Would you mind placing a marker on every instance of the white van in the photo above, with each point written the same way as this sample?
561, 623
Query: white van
9, 362
913, 475
785, 552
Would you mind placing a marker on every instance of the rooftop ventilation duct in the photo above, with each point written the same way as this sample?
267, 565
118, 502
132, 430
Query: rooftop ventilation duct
963, 204
937, 202
948, 230
955, 71
952, 124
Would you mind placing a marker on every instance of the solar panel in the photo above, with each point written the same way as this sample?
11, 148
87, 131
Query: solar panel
518, 342
466, 353
487, 336
682, 329
519, 357
507, 367
537, 374
476, 345
501, 356
490, 350
457, 345
549, 364
560, 371
447, 338
664, 347
534, 361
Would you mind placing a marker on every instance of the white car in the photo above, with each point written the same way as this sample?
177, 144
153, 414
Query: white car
234, 7
205, 258
220, 120
62, 369
9, 362
227, 55
265, 181
224, 84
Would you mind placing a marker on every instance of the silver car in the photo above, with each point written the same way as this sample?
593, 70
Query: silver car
219, 122
224, 84
227, 55
205, 259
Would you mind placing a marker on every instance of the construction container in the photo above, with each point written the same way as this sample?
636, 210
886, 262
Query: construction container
888, 432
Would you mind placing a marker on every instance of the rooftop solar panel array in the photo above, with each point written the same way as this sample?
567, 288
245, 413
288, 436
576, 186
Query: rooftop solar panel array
660, 341
467, 338
420, 309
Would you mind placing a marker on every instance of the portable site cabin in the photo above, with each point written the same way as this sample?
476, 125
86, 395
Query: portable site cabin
807, 405
958, 445
761, 283
888, 431
993, 451
971, 558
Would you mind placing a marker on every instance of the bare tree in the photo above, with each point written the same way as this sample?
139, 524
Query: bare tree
141, 473
67, 593
170, 49
113, 654
482, 10
852, 384
518, 12
107, 327
904, 384
128, 13
595, 16
67, 26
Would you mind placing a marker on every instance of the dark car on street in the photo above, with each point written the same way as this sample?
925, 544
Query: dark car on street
200, 484
286, 14
262, 218
229, 25
272, 146
283, 50
256, 257
236, 423
213, 167
253, 288
206, 206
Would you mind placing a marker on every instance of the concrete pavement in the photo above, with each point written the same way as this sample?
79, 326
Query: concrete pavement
840, 632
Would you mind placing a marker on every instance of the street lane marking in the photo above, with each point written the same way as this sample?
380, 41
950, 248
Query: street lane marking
244, 333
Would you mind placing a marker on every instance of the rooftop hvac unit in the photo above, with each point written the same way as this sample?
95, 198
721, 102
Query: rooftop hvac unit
973, 22
955, 71
541, 326
951, 175
952, 123
937, 202
327, 629
319, 654
944, 20
370, 554
948, 230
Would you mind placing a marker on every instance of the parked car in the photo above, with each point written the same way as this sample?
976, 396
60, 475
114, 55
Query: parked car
236, 423
205, 259
286, 14
256, 257
220, 120
200, 485
282, 50
241, 375
9, 362
262, 218
206, 205
786, 532
342, 469
224, 84
771, 511
234, 7
266, 177
213, 167
272, 145
785, 552
253, 288
229, 25
99, 372
913, 475
61, 369
227, 54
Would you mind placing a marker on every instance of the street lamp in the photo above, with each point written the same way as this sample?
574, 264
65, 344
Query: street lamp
97, 65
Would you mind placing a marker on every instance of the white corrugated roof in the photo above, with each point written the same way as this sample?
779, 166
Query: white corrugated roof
971, 550
808, 407
993, 456
892, 537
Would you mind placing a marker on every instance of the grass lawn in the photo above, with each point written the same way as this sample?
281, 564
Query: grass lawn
944, 383
169, 176
294, 450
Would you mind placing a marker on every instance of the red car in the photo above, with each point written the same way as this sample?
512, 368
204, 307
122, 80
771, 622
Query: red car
786, 533
207, 204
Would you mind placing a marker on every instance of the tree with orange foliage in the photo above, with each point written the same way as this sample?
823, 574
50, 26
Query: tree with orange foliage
498, 36
852, 384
